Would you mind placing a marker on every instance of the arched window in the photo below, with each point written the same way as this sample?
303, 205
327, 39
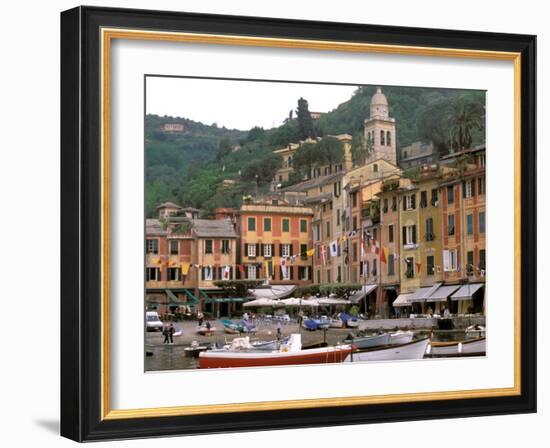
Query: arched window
388, 138
382, 142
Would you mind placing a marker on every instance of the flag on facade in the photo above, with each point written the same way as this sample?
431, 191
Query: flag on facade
284, 267
268, 268
375, 249
241, 268
334, 248
310, 252
185, 268
226, 272
324, 253
383, 258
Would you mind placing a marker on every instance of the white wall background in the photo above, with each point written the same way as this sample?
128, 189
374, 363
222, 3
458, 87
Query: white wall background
29, 186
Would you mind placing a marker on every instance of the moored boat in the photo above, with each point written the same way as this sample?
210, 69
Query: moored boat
335, 323
206, 330
369, 341
471, 347
401, 337
290, 353
411, 350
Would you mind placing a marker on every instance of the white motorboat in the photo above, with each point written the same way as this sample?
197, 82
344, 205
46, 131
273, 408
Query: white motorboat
412, 350
335, 323
471, 347
401, 337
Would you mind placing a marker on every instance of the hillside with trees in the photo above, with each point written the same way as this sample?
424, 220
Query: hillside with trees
208, 166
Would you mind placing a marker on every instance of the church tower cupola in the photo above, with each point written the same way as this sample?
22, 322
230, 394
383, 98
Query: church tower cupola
380, 130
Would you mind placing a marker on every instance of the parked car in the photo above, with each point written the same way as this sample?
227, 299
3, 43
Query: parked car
152, 321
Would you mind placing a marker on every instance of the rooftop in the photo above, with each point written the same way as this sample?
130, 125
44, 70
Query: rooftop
213, 228
168, 205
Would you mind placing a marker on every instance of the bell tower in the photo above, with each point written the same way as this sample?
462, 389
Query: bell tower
380, 130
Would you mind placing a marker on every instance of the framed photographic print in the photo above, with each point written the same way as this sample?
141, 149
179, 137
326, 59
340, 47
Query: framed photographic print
277, 224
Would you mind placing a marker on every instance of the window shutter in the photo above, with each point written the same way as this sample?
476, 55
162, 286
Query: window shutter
404, 203
291, 272
446, 266
473, 187
463, 188
404, 235
258, 253
291, 249
280, 250
413, 201
246, 250
414, 234
202, 273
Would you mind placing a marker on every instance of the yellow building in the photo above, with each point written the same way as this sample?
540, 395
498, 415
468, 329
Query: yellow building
287, 154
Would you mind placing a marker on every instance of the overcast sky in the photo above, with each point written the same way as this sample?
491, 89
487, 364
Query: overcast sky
238, 104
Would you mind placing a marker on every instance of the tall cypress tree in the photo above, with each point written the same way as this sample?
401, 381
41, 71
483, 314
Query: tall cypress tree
305, 122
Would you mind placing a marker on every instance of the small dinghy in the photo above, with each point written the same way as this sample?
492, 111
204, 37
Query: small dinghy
471, 347
206, 330
376, 340
194, 349
401, 337
412, 350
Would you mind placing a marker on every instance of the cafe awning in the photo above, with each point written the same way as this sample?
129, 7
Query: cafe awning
466, 291
402, 300
367, 289
441, 294
420, 294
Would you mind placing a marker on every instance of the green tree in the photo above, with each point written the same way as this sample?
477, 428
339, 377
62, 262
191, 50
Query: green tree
305, 123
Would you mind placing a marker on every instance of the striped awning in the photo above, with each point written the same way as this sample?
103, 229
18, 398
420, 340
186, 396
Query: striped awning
402, 300
467, 291
441, 294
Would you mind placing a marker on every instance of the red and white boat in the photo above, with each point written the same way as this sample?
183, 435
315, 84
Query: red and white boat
290, 353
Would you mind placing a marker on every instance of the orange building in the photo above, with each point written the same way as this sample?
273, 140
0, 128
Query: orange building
275, 237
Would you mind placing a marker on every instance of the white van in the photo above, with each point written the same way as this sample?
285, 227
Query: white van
152, 321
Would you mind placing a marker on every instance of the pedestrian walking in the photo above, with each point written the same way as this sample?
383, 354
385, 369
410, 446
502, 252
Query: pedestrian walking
171, 331
166, 334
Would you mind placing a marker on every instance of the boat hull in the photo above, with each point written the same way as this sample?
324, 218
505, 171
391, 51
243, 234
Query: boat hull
371, 341
465, 348
217, 360
412, 350
401, 337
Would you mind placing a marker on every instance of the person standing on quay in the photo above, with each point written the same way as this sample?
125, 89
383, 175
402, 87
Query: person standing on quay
166, 334
171, 331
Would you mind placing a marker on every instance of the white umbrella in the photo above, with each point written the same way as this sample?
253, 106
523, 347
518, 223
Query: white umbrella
293, 301
259, 303
332, 301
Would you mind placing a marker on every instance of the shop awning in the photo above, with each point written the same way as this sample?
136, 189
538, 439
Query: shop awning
424, 294
224, 300
467, 291
441, 294
420, 294
367, 289
402, 300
